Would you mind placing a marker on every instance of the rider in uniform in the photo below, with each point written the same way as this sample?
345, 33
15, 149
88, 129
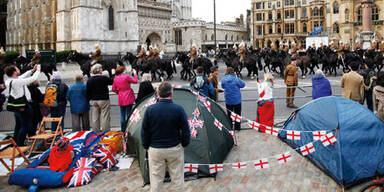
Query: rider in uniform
294, 50
359, 52
150, 55
156, 53
241, 52
141, 57
97, 55
35, 58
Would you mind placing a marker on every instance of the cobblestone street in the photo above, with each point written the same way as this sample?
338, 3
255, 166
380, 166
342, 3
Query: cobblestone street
297, 175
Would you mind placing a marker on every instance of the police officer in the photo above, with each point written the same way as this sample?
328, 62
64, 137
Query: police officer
291, 79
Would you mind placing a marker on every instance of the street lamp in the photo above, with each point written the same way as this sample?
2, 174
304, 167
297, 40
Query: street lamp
214, 23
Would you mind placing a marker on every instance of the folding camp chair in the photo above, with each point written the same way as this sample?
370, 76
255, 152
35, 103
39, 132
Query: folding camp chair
12, 152
42, 134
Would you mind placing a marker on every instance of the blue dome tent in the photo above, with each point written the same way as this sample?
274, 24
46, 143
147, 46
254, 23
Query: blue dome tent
358, 153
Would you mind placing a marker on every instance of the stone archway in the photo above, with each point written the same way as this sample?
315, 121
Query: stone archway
154, 39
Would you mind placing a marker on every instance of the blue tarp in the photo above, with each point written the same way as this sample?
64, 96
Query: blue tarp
358, 153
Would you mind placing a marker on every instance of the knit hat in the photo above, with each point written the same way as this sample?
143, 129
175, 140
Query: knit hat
56, 75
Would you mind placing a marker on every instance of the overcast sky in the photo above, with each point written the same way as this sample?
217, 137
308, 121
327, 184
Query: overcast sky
226, 10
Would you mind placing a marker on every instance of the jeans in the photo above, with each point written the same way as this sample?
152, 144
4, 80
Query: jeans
58, 111
236, 109
22, 125
124, 113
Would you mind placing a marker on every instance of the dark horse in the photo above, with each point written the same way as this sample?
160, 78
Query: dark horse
25, 64
303, 62
187, 71
84, 61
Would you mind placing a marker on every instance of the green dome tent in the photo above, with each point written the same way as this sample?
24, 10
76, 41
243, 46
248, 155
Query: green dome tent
211, 146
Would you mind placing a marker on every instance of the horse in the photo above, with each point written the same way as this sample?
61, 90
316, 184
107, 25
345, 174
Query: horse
25, 65
187, 71
329, 60
108, 63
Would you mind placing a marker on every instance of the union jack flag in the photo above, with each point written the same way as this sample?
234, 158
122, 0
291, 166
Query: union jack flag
105, 157
196, 113
202, 99
198, 123
193, 132
83, 172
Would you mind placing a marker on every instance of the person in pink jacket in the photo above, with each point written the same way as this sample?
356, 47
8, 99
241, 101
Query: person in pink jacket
122, 87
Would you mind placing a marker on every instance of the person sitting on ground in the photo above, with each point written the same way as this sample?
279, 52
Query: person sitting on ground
353, 84
61, 156
265, 103
145, 87
320, 85
77, 96
201, 84
378, 96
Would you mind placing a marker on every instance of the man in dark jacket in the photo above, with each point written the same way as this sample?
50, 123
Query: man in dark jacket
98, 94
165, 132
59, 110
201, 84
368, 73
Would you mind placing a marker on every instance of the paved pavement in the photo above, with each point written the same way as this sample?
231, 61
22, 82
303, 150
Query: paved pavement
297, 175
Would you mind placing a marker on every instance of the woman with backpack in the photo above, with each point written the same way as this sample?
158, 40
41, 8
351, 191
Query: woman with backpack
232, 85
378, 96
202, 85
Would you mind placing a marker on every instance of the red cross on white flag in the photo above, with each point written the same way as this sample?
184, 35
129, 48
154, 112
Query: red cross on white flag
307, 149
193, 132
232, 133
202, 98
207, 105
193, 168
135, 116
194, 92
218, 124
176, 86
239, 165
284, 158
261, 164
216, 168
235, 117
318, 134
271, 131
328, 139
151, 102
293, 135
253, 125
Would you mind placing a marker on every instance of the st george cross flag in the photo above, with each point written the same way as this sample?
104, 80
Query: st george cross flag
202, 98
218, 124
272, 131
284, 158
318, 134
239, 165
196, 113
207, 105
293, 135
307, 149
83, 172
216, 168
232, 133
135, 116
194, 92
151, 102
261, 164
253, 125
328, 139
176, 86
236, 117
192, 168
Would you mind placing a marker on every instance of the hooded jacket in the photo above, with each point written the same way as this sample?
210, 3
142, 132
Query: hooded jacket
232, 85
320, 87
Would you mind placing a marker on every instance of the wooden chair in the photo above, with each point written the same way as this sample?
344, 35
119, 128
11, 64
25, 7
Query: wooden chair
42, 134
12, 152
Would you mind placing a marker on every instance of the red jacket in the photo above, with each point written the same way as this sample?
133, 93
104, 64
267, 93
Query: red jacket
122, 86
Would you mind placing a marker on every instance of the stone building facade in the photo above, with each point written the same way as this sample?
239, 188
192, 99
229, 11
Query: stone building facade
201, 33
292, 20
31, 24
83, 23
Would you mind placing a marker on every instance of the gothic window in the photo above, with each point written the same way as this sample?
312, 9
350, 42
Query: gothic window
304, 12
359, 14
335, 7
278, 4
278, 29
321, 11
289, 2
304, 27
315, 12
269, 16
270, 31
226, 37
278, 15
232, 38
111, 21
289, 28
259, 30
346, 13
206, 37
178, 37
375, 13
335, 28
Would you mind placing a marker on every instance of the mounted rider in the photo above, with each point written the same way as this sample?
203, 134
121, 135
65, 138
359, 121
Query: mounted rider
381, 47
359, 52
294, 52
141, 57
232, 53
193, 54
156, 53
151, 54
241, 52
35, 58
97, 55
333, 47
